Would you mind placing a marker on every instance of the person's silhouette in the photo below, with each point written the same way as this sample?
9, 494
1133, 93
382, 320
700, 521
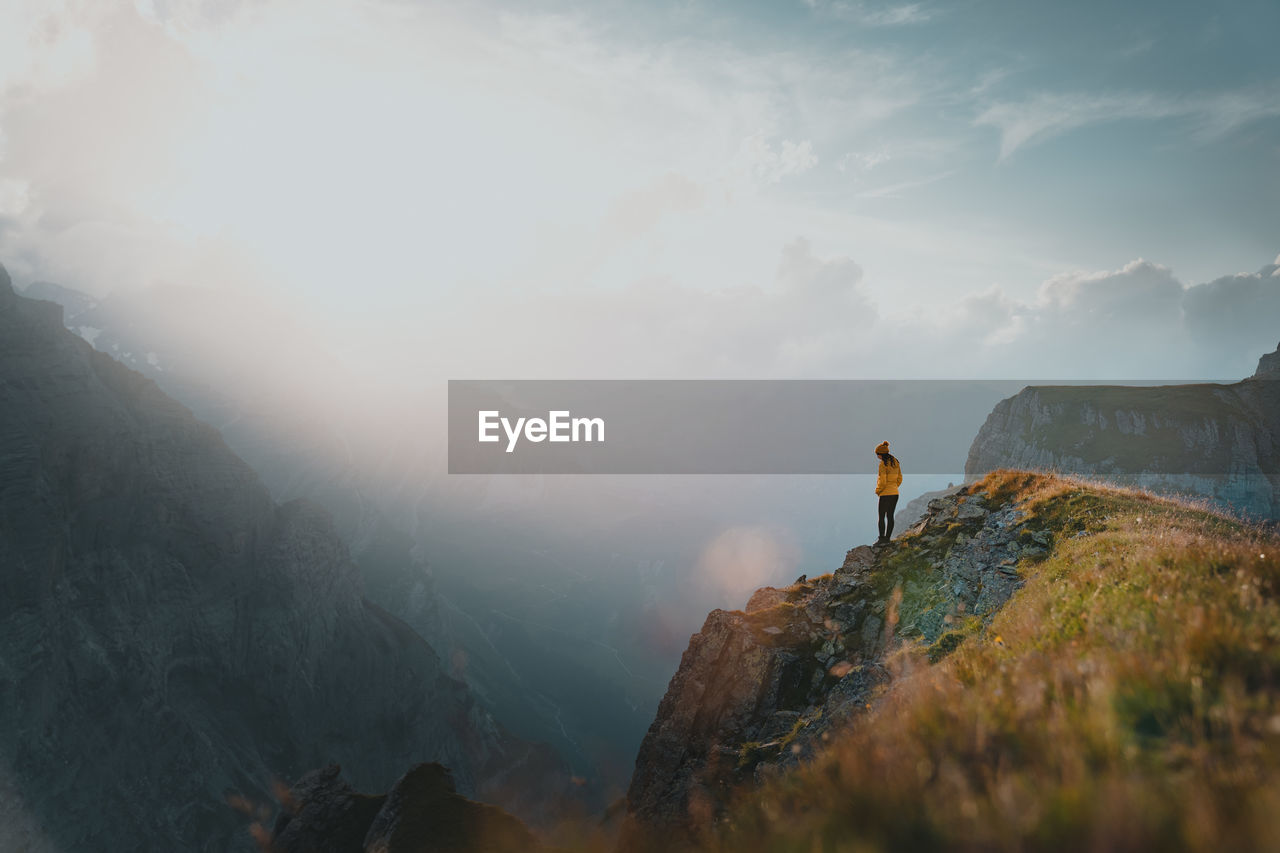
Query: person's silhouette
887, 482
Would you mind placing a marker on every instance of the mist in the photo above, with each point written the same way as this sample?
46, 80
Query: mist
302, 220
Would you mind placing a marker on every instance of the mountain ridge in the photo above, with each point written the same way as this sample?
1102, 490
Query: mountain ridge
171, 636
1218, 441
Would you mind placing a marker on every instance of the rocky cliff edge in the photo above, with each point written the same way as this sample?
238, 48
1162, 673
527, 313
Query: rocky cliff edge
760, 689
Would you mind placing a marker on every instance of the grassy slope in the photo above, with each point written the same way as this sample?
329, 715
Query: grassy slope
1125, 698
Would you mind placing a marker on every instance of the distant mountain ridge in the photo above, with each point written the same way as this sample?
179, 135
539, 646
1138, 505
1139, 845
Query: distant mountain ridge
1218, 441
248, 366
169, 636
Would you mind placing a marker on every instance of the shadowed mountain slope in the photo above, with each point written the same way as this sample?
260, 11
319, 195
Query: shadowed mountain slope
169, 636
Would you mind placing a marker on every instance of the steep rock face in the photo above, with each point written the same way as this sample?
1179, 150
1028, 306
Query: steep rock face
1269, 366
169, 636
422, 813
758, 690
1217, 441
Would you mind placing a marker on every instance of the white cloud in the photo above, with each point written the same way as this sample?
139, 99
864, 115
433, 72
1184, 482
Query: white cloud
271, 129
898, 189
758, 163
1236, 312
1136, 322
871, 14
44, 45
863, 161
1046, 115
811, 313
1139, 292
821, 316
14, 197
403, 159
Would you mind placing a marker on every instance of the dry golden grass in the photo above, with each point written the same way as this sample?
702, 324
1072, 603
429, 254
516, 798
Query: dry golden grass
1125, 699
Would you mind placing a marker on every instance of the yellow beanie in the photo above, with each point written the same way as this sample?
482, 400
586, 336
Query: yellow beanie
882, 447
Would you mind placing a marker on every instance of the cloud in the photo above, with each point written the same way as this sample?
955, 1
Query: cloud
758, 163
637, 212
823, 316
188, 15
628, 196
44, 46
1140, 292
870, 14
1048, 115
1238, 310
812, 312
863, 161
271, 129
897, 190
1036, 119
1135, 322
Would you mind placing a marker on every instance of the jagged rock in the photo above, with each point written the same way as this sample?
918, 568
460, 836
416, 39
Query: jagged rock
324, 814
813, 658
914, 511
970, 510
858, 560
1268, 366
766, 597
422, 813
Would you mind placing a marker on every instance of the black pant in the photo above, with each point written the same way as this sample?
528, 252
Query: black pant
888, 503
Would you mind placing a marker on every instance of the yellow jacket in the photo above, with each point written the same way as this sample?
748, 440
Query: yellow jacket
889, 479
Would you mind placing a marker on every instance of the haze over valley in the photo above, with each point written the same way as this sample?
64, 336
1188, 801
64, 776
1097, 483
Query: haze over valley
246, 246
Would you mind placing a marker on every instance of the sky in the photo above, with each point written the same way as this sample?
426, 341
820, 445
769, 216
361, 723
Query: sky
802, 188
387, 194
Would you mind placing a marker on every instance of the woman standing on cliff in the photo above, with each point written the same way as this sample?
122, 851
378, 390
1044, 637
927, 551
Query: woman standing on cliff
887, 482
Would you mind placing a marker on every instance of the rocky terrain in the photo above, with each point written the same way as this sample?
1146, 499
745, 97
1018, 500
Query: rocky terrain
1221, 442
171, 637
1041, 663
915, 509
422, 812
761, 689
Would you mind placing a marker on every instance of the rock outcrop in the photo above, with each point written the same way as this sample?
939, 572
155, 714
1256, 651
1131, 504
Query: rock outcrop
916, 508
1221, 442
1269, 365
169, 636
422, 813
758, 690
